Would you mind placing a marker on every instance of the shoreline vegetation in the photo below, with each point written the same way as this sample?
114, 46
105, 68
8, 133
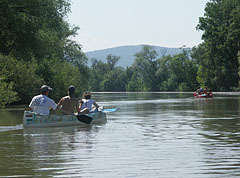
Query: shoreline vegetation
36, 49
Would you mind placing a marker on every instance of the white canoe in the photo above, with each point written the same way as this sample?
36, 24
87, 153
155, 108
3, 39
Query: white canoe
31, 119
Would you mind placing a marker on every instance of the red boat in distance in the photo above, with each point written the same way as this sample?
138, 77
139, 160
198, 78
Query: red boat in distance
203, 93
208, 95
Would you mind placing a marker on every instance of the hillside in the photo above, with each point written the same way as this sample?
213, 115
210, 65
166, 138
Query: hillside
127, 53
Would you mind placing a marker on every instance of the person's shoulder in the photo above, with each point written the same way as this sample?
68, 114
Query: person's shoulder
65, 97
46, 97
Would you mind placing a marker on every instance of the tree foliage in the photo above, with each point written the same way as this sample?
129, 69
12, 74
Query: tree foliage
20, 76
221, 35
7, 94
36, 49
177, 73
34, 28
145, 65
106, 76
148, 73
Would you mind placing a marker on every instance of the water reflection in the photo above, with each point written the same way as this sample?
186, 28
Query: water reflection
11, 116
51, 147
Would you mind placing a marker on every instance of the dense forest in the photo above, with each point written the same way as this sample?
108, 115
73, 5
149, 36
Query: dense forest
36, 48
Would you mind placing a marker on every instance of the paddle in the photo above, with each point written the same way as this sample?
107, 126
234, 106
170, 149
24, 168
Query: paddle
109, 110
81, 117
84, 118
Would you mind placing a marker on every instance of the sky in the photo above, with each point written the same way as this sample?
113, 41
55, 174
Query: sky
111, 23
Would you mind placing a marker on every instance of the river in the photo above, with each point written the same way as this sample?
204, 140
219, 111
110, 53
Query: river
151, 135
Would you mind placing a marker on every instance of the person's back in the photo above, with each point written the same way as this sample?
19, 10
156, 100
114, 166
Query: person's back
41, 104
69, 103
86, 104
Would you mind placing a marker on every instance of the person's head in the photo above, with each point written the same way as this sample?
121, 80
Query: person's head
45, 89
87, 95
71, 91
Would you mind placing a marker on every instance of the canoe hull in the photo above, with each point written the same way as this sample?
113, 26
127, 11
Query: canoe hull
31, 120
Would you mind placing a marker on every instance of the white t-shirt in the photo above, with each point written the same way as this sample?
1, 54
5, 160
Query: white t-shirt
87, 104
41, 104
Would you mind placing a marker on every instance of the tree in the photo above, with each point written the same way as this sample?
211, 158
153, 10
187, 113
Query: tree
146, 66
8, 95
164, 72
36, 48
112, 61
97, 72
34, 28
114, 80
136, 84
221, 35
177, 73
107, 76
21, 77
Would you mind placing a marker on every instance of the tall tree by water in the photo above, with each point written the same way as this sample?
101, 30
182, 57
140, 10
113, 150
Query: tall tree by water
145, 66
34, 28
35, 35
107, 76
217, 55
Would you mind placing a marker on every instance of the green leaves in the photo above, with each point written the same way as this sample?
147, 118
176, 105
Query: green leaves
20, 78
221, 35
8, 95
106, 76
34, 29
36, 49
170, 73
145, 65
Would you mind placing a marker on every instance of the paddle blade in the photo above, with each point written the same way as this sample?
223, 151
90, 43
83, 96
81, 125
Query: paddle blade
85, 119
109, 110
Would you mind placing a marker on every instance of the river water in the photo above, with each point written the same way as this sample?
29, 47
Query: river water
151, 135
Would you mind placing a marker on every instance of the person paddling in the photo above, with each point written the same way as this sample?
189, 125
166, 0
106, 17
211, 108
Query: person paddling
86, 104
41, 104
69, 103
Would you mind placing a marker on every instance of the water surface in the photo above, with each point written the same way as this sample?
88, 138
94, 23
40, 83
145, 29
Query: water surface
150, 135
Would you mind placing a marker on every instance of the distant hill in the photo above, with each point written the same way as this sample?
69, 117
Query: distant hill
127, 53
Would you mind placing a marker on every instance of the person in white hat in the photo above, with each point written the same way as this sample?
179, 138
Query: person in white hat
41, 104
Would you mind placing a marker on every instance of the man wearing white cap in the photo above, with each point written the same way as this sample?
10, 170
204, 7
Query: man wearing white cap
41, 104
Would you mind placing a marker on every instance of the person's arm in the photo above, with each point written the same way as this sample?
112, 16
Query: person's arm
60, 103
78, 107
53, 105
95, 104
31, 105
